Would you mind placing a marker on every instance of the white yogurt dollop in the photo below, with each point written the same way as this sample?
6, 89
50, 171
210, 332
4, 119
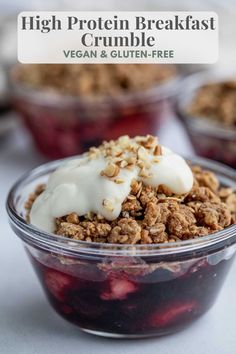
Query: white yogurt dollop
78, 186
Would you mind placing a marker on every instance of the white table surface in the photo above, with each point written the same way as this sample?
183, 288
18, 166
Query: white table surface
28, 325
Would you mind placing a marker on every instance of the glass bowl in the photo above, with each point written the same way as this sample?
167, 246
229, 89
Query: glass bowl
125, 290
63, 125
209, 139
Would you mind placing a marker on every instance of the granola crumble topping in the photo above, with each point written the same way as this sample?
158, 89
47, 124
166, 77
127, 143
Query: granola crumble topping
100, 181
216, 101
150, 216
95, 80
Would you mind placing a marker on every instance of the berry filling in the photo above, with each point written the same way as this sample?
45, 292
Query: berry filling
162, 301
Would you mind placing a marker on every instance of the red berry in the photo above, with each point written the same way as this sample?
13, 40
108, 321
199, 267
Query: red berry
172, 314
57, 283
119, 289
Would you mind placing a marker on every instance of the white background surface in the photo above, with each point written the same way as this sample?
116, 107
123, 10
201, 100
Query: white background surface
28, 325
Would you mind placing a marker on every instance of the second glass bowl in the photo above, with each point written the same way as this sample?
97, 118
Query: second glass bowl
209, 139
64, 125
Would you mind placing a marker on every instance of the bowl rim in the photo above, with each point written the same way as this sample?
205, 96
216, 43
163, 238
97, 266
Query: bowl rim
203, 124
165, 89
36, 237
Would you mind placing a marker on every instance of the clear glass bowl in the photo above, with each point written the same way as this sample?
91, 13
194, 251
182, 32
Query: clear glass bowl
209, 139
125, 290
63, 125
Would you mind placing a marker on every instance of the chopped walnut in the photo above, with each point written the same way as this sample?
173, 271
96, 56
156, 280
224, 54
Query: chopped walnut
157, 150
110, 171
136, 187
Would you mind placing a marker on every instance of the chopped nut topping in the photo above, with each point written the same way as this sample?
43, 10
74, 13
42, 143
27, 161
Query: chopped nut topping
143, 173
123, 163
108, 205
127, 153
157, 151
119, 180
110, 171
142, 153
131, 160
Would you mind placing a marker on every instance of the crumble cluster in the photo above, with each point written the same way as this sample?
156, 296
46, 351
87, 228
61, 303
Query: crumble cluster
151, 215
96, 79
217, 102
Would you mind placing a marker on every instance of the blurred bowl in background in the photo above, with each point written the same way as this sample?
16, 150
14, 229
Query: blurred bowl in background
4, 97
7, 57
63, 124
7, 120
211, 137
8, 37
